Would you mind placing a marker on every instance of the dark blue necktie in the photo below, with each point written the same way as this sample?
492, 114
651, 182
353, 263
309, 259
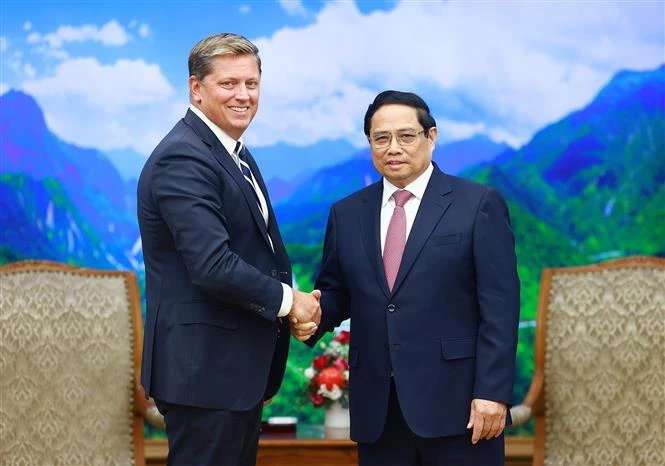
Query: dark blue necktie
241, 153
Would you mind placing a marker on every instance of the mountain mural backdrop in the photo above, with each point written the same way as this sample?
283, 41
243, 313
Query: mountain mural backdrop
588, 187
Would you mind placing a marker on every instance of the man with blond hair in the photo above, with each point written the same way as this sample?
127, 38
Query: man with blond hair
218, 279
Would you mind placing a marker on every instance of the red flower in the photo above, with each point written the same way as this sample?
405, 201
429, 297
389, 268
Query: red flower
320, 362
341, 364
331, 376
343, 337
317, 399
328, 370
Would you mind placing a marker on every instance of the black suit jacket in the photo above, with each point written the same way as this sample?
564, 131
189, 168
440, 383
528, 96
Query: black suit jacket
448, 329
213, 288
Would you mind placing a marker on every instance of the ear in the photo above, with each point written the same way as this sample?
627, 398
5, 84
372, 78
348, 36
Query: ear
195, 89
432, 135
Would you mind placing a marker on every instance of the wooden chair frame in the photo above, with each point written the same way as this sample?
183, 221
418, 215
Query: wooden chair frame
534, 402
141, 410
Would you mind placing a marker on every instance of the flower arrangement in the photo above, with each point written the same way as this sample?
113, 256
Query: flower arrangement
329, 373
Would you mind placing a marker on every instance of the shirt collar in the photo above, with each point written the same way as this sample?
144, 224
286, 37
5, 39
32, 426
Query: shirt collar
227, 141
416, 187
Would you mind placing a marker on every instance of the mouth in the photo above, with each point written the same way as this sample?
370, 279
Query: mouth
237, 109
394, 163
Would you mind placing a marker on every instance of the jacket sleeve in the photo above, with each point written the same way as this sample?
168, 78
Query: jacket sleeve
334, 292
186, 189
498, 291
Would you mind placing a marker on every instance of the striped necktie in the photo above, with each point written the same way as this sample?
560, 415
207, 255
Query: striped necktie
246, 172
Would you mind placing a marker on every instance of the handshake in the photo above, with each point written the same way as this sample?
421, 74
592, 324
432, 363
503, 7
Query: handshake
305, 314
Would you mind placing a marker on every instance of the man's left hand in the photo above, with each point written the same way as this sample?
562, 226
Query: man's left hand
487, 419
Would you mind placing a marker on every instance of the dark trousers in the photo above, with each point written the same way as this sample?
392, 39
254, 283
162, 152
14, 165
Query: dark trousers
399, 446
202, 437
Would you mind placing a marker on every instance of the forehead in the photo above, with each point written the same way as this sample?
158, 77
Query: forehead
394, 117
235, 66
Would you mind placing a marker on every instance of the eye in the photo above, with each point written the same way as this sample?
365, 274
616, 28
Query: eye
252, 85
381, 139
227, 84
407, 138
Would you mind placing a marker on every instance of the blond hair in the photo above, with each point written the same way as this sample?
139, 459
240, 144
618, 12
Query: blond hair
202, 55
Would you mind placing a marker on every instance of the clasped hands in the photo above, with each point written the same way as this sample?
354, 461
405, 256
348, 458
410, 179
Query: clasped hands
305, 314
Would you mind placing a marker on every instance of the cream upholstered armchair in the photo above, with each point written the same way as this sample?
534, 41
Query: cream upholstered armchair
70, 344
598, 392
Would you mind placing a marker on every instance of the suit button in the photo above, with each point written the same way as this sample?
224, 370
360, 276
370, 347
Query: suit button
391, 308
273, 273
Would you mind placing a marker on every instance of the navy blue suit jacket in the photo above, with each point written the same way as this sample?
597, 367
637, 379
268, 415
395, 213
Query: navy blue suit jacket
213, 288
448, 329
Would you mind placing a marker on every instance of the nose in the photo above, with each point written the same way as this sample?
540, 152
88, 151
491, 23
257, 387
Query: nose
242, 92
394, 146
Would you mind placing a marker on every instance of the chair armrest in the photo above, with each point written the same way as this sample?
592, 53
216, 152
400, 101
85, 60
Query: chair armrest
533, 403
520, 414
145, 407
153, 416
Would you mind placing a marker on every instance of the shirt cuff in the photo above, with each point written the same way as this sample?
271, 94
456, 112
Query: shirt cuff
287, 301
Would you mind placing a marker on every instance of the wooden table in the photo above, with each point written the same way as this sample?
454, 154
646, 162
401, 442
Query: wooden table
323, 452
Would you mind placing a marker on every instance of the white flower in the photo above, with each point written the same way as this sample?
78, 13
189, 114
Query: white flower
337, 350
310, 372
334, 349
334, 394
346, 375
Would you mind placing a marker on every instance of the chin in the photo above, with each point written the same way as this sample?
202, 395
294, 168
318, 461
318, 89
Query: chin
241, 126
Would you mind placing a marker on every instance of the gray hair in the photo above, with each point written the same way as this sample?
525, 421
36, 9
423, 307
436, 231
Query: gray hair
201, 57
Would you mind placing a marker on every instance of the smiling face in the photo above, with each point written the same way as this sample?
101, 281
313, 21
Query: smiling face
401, 165
229, 94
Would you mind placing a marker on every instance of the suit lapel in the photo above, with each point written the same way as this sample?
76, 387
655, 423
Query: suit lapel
226, 161
370, 230
433, 205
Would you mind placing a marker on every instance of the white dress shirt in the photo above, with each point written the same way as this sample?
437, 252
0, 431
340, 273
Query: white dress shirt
230, 144
417, 188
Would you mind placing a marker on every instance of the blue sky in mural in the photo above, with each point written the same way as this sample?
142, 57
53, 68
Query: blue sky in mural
112, 74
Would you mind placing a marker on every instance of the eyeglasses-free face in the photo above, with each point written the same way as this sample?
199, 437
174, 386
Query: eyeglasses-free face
399, 152
229, 95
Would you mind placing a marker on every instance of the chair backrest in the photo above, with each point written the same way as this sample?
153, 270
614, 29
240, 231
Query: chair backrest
70, 341
600, 353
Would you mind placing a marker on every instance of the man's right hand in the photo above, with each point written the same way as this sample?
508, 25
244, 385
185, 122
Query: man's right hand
305, 314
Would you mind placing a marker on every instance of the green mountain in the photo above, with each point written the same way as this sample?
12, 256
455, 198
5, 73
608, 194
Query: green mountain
591, 174
45, 224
